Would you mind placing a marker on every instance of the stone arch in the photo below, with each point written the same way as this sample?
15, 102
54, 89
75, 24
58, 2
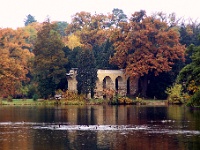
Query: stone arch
107, 83
108, 87
120, 86
118, 83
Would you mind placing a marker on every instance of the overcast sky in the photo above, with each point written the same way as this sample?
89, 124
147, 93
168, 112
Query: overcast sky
14, 12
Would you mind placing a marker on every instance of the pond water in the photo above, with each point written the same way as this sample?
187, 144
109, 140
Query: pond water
99, 127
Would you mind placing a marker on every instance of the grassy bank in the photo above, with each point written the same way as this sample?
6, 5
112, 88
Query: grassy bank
81, 102
25, 102
39, 102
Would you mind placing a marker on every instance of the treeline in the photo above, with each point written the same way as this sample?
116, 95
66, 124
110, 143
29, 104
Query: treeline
160, 49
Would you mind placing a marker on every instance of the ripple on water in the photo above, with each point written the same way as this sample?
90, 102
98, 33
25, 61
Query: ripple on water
92, 127
147, 129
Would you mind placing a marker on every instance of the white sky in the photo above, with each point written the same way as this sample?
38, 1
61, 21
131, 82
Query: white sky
14, 12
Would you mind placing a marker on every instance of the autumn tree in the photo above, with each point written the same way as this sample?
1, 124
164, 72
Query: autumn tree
29, 19
86, 73
72, 41
49, 60
88, 28
158, 84
146, 45
14, 60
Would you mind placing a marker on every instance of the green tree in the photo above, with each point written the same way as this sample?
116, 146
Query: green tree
29, 19
72, 56
102, 55
190, 74
61, 26
49, 60
189, 34
116, 17
87, 72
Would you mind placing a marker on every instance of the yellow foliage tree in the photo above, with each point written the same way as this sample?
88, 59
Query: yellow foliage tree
73, 41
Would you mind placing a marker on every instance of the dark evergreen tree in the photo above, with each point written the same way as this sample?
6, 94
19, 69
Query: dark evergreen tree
185, 36
87, 72
72, 56
189, 34
29, 19
102, 55
49, 60
157, 85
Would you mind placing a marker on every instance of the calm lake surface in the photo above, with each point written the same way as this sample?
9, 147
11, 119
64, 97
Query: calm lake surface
99, 127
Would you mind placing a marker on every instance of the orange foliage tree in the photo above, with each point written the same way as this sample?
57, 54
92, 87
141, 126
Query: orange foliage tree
89, 28
145, 45
14, 59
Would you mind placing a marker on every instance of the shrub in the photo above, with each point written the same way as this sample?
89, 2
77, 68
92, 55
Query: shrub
59, 92
9, 98
72, 96
195, 99
35, 97
96, 101
118, 100
175, 94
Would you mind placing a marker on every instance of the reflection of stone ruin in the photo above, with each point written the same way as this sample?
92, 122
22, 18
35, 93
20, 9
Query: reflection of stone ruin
107, 80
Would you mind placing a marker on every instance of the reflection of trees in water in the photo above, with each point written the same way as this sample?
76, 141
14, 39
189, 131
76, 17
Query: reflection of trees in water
167, 127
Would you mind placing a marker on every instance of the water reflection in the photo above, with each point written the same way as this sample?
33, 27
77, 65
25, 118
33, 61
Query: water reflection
99, 127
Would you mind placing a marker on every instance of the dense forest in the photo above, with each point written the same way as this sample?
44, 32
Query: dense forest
161, 50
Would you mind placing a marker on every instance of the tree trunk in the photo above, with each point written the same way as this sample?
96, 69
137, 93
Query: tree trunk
143, 85
134, 86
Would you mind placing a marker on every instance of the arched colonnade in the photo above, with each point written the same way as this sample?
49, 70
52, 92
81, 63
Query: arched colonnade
107, 79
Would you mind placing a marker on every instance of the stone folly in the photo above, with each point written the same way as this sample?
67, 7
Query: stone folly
114, 80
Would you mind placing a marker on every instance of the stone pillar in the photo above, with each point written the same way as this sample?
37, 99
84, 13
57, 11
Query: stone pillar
72, 84
122, 87
71, 78
99, 89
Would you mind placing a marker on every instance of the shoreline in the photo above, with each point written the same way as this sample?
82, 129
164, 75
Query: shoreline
30, 102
